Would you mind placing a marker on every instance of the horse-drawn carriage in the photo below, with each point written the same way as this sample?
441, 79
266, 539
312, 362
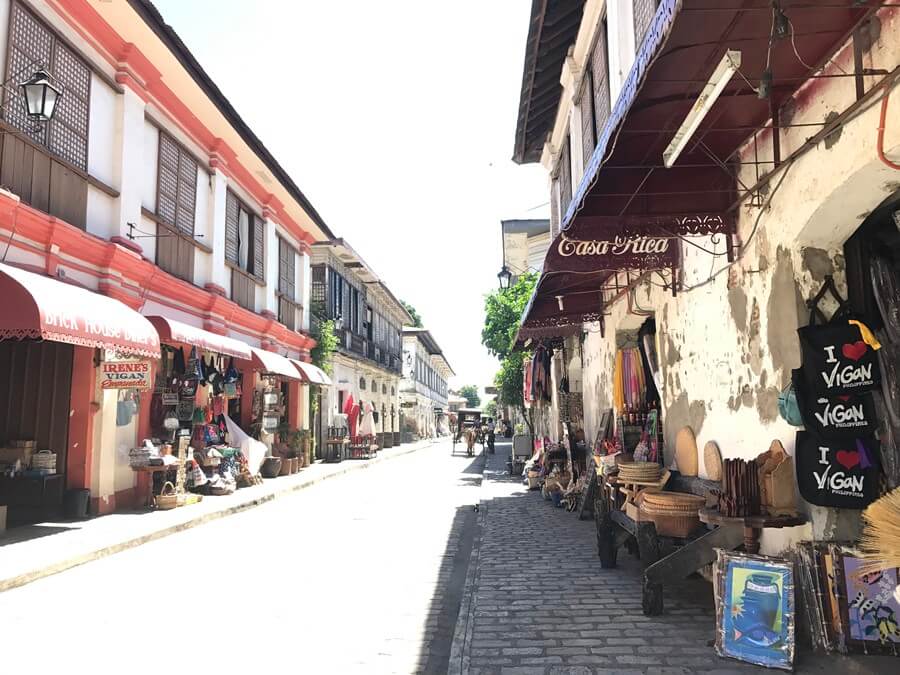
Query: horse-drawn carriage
468, 429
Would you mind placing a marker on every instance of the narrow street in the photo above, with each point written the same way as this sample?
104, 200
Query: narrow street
357, 574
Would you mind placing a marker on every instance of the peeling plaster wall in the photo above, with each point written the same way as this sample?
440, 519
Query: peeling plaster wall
727, 345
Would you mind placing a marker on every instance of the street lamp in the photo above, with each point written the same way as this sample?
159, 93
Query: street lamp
505, 276
41, 96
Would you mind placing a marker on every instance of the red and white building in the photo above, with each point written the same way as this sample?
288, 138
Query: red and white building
145, 210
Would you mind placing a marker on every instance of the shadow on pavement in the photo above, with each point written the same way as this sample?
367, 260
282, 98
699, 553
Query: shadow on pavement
444, 604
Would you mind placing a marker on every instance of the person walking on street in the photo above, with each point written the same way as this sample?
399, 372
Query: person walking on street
491, 430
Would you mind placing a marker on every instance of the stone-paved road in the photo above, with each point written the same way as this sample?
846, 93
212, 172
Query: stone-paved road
543, 606
359, 574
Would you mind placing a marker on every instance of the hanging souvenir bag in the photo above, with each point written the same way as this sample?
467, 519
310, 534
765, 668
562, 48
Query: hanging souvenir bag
837, 473
192, 369
837, 361
231, 373
171, 421
850, 416
178, 364
788, 407
838, 355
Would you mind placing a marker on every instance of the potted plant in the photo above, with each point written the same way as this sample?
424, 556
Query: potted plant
303, 437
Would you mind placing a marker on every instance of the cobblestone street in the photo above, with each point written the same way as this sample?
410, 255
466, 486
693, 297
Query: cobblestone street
542, 604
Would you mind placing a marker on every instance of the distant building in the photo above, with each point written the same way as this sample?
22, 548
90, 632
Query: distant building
525, 244
424, 391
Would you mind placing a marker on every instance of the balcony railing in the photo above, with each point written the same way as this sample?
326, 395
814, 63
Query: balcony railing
290, 313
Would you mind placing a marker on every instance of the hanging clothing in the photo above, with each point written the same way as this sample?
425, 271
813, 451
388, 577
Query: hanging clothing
652, 377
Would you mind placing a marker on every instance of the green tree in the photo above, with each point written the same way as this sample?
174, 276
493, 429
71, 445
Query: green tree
326, 344
470, 393
503, 311
417, 319
502, 314
489, 409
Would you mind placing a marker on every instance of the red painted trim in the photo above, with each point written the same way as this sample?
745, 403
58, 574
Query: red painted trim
127, 243
79, 458
131, 279
128, 498
136, 71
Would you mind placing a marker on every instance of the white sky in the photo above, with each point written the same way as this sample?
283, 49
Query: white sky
396, 118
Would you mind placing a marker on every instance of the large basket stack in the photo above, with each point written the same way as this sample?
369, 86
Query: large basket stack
675, 514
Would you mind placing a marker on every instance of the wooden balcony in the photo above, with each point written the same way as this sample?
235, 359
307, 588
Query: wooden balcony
290, 313
243, 289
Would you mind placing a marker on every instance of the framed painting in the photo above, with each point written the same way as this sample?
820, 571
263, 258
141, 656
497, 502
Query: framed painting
755, 609
870, 610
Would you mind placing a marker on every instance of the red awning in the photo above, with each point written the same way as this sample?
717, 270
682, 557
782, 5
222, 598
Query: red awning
276, 364
311, 374
626, 178
39, 307
171, 330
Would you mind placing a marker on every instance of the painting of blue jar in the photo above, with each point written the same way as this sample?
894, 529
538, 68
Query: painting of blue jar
755, 610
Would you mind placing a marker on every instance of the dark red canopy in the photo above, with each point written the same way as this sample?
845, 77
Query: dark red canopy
626, 190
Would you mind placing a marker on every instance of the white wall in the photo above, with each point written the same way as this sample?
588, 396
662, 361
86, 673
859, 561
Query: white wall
151, 159
104, 128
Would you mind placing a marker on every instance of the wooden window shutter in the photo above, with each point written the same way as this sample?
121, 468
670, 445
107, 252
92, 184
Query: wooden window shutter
259, 248
167, 180
187, 192
586, 106
643, 17
232, 214
286, 269
600, 74
565, 178
33, 45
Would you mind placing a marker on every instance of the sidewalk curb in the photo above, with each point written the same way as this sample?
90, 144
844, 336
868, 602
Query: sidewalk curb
63, 565
465, 624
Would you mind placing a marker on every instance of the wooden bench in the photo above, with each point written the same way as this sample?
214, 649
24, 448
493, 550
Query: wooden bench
616, 529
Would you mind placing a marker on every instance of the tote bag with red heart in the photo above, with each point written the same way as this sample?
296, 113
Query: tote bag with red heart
836, 473
837, 361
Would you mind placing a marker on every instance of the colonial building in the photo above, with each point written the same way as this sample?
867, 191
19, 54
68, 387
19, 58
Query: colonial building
368, 320
525, 244
424, 391
141, 210
710, 172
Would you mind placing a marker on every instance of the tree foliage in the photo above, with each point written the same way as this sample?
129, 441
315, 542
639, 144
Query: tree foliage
490, 409
470, 393
502, 313
417, 319
326, 343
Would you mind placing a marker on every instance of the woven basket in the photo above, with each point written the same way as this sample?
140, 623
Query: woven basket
671, 525
44, 460
167, 499
673, 501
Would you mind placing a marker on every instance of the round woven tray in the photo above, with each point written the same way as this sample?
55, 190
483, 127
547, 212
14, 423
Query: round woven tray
675, 500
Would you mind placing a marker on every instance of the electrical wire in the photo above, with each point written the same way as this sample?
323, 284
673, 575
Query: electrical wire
796, 52
750, 237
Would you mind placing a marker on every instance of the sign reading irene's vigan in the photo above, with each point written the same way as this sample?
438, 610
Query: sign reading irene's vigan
125, 375
642, 252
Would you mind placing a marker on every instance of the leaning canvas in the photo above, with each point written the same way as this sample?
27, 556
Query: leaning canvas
870, 609
755, 609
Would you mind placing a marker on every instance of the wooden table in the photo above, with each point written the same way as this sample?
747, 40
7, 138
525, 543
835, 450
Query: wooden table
149, 471
752, 526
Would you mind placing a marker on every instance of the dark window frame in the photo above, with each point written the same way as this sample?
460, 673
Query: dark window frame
67, 135
184, 203
256, 235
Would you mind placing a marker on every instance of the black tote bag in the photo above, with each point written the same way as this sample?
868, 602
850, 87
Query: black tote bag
837, 361
838, 474
848, 416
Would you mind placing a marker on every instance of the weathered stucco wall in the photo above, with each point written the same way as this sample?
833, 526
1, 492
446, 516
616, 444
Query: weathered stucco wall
727, 345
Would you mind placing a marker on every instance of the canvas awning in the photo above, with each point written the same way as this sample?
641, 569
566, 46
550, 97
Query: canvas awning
627, 192
171, 330
626, 180
276, 364
39, 307
311, 374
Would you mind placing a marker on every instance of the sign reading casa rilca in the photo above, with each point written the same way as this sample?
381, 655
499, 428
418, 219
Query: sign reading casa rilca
614, 253
132, 374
